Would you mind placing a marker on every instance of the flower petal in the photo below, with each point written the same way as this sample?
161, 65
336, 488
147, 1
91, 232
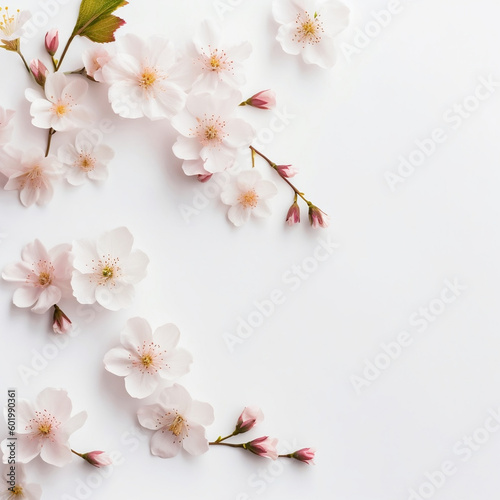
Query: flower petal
118, 362
141, 384
195, 442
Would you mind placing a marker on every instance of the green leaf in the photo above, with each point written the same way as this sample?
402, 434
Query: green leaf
96, 22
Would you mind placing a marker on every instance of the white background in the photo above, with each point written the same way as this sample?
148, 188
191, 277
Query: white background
396, 250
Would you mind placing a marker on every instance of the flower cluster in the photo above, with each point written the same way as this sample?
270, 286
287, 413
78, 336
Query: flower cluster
197, 88
104, 270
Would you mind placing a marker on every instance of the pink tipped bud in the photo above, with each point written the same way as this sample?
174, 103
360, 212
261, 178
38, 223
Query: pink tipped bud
97, 458
52, 41
264, 447
61, 324
39, 71
305, 455
317, 217
293, 215
249, 418
204, 177
286, 170
265, 99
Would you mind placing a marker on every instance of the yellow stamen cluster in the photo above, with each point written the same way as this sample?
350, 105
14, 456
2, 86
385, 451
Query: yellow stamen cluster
249, 199
44, 278
86, 162
7, 20
308, 29
17, 491
176, 426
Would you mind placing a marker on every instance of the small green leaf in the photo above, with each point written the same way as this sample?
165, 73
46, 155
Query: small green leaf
96, 22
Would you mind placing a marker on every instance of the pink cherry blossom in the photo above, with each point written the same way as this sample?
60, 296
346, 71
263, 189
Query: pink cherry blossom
248, 195
44, 428
44, 276
305, 455
293, 215
97, 458
107, 269
31, 173
60, 108
249, 418
213, 61
178, 421
147, 358
265, 99
317, 217
286, 170
39, 71
61, 323
211, 135
264, 447
308, 27
52, 41
14, 485
94, 60
144, 79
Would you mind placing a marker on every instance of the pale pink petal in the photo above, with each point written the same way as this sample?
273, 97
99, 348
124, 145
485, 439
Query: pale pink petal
323, 54
118, 362
141, 384
195, 442
117, 242
26, 296
56, 402
262, 210
178, 364
27, 448
84, 252
238, 215
202, 413
194, 167
54, 86
135, 267
285, 36
150, 415
230, 195
17, 272
75, 422
266, 189
84, 289
187, 148
165, 444
115, 298
168, 336
284, 11
240, 135
175, 397
49, 296
28, 196
136, 332
56, 453
248, 179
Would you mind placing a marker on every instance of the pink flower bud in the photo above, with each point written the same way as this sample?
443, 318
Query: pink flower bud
264, 447
317, 217
204, 177
305, 455
61, 324
265, 99
249, 418
39, 71
52, 41
286, 170
97, 458
293, 215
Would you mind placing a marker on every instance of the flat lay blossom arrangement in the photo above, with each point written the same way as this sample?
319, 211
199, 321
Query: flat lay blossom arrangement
197, 90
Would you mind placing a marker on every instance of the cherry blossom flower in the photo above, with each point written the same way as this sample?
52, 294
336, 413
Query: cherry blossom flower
97, 458
31, 173
146, 358
178, 421
61, 324
14, 485
52, 42
293, 215
265, 99
264, 447
248, 195
12, 25
249, 418
107, 269
210, 135
60, 108
44, 276
305, 455
85, 159
212, 61
44, 428
144, 79
286, 170
94, 60
317, 217
6, 125
39, 71
308, 27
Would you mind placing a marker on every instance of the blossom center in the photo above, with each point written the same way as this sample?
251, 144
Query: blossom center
176, 425
249, 199
148, 78
210, 130
147, 360
44, 429
308, 28
60, 109
107, 272
44, 278
7, 22
43, 425
33, 177
86, 162
216, 60
17, 491
150, 358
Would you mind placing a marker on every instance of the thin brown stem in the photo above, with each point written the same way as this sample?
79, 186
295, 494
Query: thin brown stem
275, 167
49, 141
232, 445
64, 52
24, 60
